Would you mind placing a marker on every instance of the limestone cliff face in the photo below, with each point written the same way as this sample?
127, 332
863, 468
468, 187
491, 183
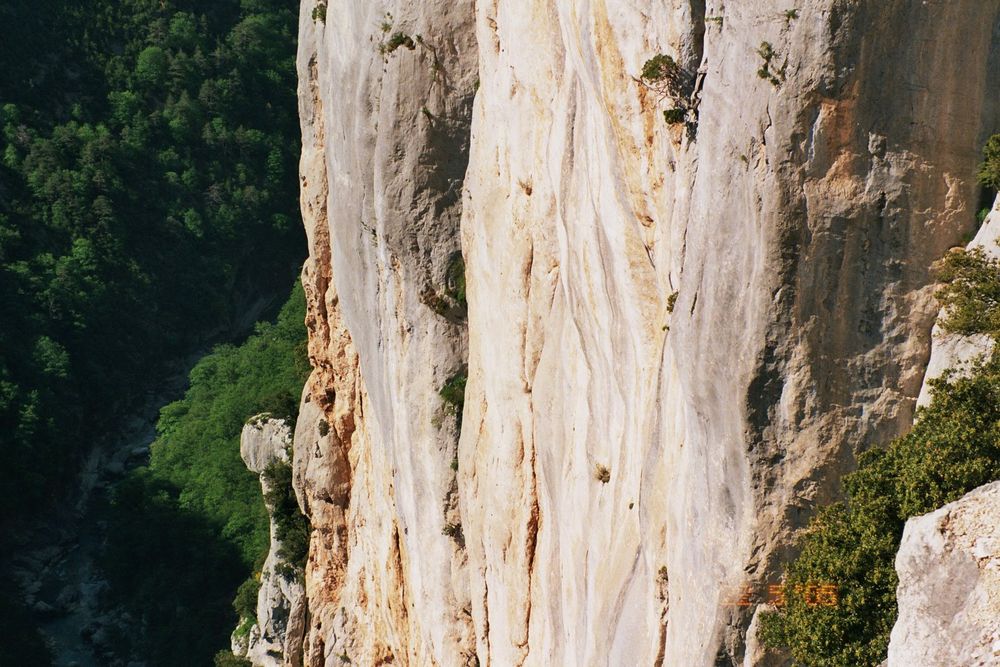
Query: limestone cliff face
677, 337
386, 90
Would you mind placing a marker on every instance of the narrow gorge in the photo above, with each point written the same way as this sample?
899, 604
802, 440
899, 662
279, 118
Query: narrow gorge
671, 339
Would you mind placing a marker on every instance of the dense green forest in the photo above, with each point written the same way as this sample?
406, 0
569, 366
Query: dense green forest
185, 531
148, 191
148, 194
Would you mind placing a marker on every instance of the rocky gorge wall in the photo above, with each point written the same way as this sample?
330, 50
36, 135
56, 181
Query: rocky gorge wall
676, 337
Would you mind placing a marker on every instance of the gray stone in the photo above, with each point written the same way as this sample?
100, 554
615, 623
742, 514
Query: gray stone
275, 640
949, 585
264, 440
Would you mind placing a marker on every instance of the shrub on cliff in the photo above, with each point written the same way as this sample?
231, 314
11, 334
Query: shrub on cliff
954, 447
970, 292
989, 171
291, 528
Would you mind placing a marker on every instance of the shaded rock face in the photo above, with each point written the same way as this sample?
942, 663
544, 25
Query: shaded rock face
678, 338
275, 640
949, 585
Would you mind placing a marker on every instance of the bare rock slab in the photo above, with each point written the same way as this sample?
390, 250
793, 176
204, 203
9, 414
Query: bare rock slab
949, 585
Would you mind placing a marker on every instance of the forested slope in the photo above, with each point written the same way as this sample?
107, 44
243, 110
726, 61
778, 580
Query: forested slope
148, 154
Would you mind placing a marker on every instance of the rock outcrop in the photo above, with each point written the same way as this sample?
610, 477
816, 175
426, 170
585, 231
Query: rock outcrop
275, 640
949, 585
679, 335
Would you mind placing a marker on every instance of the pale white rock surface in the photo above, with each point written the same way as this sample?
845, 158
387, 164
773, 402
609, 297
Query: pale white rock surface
949, 586
796, 225
385, 95
276, 639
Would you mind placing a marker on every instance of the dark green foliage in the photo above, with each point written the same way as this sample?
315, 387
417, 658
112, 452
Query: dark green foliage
662, 75
455, 279
989, 171
397, 40
319, 12
450, 302
954, 447
283, 404
291, 527
660, 67
453, 395
198, 446
453, 391
147, 154
166, 564
245, 602
186, 531
970, 293
675, 115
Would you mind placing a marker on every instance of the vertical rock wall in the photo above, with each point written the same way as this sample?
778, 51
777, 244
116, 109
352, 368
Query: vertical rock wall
677, 338
385, 122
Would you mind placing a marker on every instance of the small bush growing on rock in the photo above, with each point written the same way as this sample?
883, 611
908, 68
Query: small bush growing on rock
602, 474
453, 530
449, 302
663, 75
970, 293
666, 78
675, 115
672, 301
455, 279
245, 602
768, 70
989, 171
397, 40
319, 12
323, 427
453, 393
281, 405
